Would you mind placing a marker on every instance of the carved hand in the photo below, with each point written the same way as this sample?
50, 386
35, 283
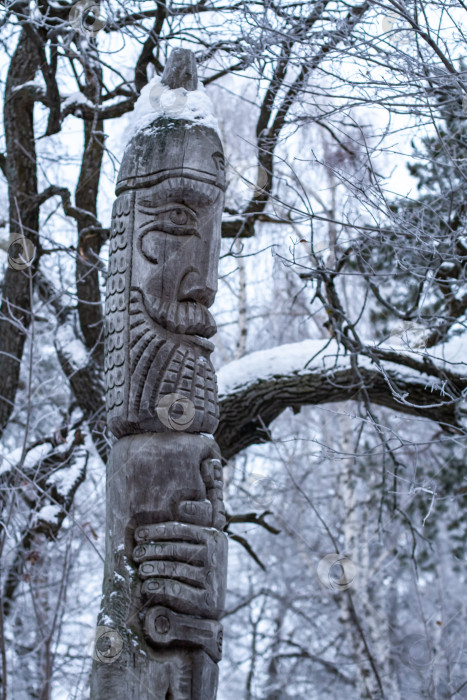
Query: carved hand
183, 567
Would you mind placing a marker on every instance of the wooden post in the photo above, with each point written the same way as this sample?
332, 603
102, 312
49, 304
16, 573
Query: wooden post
159, 635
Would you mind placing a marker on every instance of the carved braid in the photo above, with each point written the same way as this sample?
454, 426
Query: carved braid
116, 344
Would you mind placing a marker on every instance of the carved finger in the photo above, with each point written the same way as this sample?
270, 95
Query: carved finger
215, 543
195, 512
192, 575
181, 597
172, 531
194, 554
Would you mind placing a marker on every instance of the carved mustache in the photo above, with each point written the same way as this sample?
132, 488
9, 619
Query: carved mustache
184, 317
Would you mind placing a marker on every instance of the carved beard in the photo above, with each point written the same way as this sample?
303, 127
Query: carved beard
188, 317
163, 363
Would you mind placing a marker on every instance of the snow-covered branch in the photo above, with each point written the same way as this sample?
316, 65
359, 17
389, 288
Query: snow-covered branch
259, 387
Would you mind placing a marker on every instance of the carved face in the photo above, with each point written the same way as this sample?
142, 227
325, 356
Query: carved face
164, 252
176, 251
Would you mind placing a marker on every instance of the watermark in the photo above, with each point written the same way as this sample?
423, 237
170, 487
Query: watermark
167, 101
21, 253
107, 646
393, 23
85, 17
262, 490
176, 411
336, 572
252, 175
414, 651
417, 652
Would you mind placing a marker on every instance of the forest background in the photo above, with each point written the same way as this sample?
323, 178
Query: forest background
341, 330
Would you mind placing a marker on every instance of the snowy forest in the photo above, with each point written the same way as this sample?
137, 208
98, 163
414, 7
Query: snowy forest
341, 326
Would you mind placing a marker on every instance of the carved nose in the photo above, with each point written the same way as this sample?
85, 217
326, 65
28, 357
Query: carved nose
195, 287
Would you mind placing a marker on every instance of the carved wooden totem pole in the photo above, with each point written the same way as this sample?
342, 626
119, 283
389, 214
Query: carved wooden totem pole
159, 635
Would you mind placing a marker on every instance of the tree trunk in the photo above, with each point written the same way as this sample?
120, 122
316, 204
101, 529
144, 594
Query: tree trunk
21, 169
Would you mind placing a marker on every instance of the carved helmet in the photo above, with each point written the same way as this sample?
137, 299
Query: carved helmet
171, 146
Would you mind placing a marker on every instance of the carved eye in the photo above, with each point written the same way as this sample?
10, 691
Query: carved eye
178, 220
179, 217
175, 219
